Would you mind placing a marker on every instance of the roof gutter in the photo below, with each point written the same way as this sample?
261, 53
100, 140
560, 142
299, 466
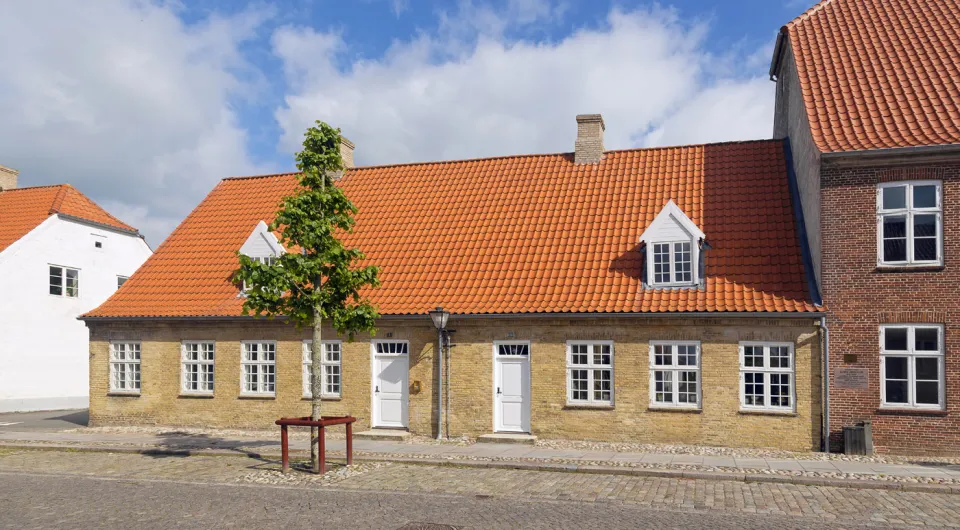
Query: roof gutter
474, 316
947, 152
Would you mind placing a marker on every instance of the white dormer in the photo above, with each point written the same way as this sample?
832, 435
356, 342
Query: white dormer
672, 249
262, 246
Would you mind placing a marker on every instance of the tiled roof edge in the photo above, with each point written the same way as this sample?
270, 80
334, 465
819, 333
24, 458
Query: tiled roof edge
809, 13
567, 314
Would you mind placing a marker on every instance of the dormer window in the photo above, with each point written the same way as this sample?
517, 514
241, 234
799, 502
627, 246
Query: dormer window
262, 246
673, 249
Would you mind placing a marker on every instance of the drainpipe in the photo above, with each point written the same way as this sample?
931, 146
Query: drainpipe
440, 385
826, 383
448, 352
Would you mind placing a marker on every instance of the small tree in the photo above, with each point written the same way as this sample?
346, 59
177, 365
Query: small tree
318, 279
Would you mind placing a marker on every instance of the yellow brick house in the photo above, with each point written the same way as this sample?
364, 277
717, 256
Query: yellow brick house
650, 295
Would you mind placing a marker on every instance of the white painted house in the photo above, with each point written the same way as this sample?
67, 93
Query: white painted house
61, 255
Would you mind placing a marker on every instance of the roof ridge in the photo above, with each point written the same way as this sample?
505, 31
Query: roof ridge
25, 188
58, 199
809, 13
501, 157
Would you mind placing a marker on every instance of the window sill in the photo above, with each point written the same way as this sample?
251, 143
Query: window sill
687, 410
585, 406
322, 398
752, 412
257, 396
901, 411
118, 393
188, 395
908, 268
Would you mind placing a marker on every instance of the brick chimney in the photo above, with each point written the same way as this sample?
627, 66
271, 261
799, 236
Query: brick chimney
589, 146
8, 178
346, 151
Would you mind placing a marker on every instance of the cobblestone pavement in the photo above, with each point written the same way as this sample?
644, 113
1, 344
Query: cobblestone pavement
75, 489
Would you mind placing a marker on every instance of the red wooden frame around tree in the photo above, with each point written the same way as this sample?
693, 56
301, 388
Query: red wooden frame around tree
324, 421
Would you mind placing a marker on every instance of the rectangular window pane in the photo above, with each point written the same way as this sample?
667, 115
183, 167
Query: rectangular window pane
894, 238
687, 388
779, 357
578, 354
682, 262
925, 237
663, 382
753, 356
926, 339
578, 385
896, 368
894, 197
924, 196
928, 392
663, 355
753, 389
896, 391
72, 283
895, 339
661, 263
928, 368
602, 385
601, 354
56, 281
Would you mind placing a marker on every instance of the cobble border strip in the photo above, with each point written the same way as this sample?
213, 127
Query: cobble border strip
528, 466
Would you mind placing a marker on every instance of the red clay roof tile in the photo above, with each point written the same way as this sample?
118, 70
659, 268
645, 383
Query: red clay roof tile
879, 74
520, 234
23, 209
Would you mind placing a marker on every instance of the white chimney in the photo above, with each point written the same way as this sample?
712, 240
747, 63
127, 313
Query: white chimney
589, 146
8, 178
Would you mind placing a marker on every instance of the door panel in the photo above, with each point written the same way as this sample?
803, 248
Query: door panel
390, 391
512, 399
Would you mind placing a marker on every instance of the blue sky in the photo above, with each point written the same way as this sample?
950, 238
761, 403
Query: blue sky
145, 105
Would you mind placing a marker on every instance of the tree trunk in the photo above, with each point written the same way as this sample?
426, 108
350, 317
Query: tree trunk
315, 389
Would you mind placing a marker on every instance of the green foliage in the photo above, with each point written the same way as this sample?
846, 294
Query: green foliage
324, 278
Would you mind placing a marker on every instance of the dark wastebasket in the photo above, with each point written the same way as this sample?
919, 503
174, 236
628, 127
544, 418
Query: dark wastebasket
858, 439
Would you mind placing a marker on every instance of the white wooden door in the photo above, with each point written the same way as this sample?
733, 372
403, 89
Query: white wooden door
511, 398
390, 384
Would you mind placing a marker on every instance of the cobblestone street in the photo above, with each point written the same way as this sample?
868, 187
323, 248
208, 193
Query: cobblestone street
78, 489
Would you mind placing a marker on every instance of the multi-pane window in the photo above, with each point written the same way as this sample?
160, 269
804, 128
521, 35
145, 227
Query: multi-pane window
64, 281
590, 373
675, 374
329, 368
197, 367
513, 350
265, 260
259, 365
909, 215
911, 366
391, 348
125, 367
672, 263
766, 376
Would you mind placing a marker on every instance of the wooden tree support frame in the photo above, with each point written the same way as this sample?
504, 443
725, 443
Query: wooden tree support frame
321, 424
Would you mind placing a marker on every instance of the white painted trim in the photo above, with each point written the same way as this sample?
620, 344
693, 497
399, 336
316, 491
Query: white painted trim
590, 367
528, 402
676, 368
111, 362
766, 370
183, 363
374, 410
306, 361
672, 210
912, 354
261, 232
908, 213
276, 374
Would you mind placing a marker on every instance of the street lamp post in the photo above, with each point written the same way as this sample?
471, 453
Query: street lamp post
440, 318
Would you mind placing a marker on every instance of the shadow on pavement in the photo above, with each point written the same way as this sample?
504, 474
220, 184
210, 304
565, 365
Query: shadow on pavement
178, 444
80, 418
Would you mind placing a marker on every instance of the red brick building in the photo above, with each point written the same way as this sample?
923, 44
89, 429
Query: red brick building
869, 105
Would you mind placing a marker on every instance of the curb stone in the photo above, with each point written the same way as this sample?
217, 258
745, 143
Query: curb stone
525, 466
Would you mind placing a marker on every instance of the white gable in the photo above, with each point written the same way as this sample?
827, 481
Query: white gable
671, 224
262, 243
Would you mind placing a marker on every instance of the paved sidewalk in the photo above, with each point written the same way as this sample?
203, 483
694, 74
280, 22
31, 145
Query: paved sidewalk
947, 476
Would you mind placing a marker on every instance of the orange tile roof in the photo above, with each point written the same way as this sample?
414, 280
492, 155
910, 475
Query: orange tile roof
520, 234
23, 209
879, 73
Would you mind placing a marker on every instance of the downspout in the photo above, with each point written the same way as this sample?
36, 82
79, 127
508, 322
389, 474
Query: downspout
440, 385
826, 384
449, 378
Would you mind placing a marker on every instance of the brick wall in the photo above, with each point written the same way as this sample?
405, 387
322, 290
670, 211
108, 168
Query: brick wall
471, 379
859, 298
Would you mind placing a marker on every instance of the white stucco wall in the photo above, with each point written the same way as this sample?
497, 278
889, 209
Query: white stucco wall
43, 347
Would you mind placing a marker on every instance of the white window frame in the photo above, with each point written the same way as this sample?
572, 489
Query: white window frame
203, 347
264, 260
674, 369
260, 364
911, 353
694, 264
326, 368
590, 367
121, 280
767, 370
909, 212
125, 357
63, 281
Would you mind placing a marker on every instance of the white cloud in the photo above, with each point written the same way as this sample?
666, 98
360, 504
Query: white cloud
125, 102
471, 91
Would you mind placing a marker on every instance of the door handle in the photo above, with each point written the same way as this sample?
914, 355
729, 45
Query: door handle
376, 390
498, 391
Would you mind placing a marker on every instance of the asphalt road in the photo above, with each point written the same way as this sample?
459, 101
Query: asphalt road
60, 501
55, 420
